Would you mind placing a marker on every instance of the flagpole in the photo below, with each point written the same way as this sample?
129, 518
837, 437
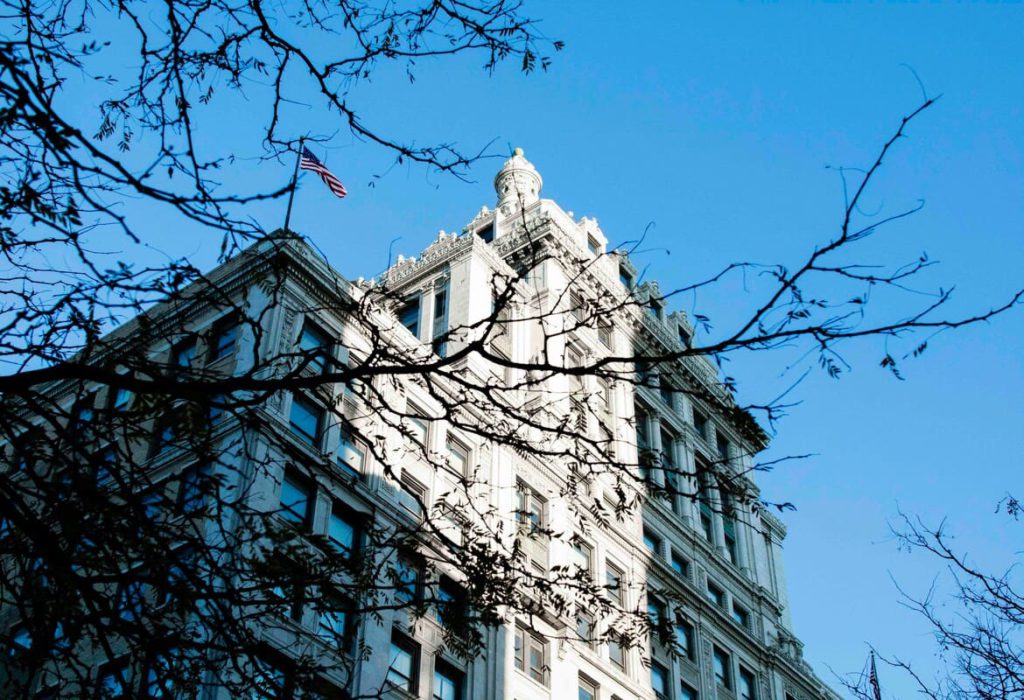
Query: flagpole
295, 182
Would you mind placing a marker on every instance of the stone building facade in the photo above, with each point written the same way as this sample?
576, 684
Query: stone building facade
705, 565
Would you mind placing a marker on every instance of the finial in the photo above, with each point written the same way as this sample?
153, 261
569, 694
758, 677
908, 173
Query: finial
517, 152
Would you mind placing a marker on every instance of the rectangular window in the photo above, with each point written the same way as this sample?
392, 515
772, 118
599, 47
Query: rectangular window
577, 307
486, 232
196, 486
659, 681
723, 448
529, 509
447, 682
686, 692
449, 599
296, 498
588, 689
409, 315
668, 449
531, 655
655, 615
417, 429
613, 582
584, 558
224, 338
403, 662
685, 337
306, 420
716, 595
604, 335
747, 686
683, 632
351, 456
667, 392
704, 498
652, 542
680, 565
183, 354
112, 681
655, 309
593, 245
314, 348
617, 651
700, 424
343, 530
412, 495
458, 457
741, 615
408, 580
335, 625
721, 664
626, 277
729, 529
585, 629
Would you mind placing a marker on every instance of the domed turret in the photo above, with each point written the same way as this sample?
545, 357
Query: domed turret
517, 181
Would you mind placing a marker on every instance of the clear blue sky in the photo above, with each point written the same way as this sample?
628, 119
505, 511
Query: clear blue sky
714, 122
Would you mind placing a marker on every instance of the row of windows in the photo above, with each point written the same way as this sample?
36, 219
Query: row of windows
404, 670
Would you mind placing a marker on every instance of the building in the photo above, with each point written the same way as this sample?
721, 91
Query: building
623, 493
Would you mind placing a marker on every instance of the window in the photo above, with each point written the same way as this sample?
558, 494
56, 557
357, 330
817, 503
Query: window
604, 401
723, 448
588, 689
655, 615
306, 420
729, 529
613, 582
412, 495
585, 629
417, 429
529, 509
617, 651
531, 655
449, 599
685, 337
196, 485
584, 557
668, 452
447, 682
224, 338
716, 595
335, 625
626, 277
747, 686
313, 345
667, 392
704, 498
403, 662
686, 692
458, 457
683, 633
183, 354
720, 663
680, 565
440, 320
593, 245
659, 680
486, 232
643, 436
604, 335
740, 614
409, 315
700, 424
296, 495
577, 307
121, 399
408, 580
655, 309
351, 456
652, 542
343, 530
112, 681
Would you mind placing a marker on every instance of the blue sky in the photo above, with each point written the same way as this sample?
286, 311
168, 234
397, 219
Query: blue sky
714, 122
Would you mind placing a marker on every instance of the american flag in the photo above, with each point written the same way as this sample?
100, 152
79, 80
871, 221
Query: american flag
308, 161
873, 679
